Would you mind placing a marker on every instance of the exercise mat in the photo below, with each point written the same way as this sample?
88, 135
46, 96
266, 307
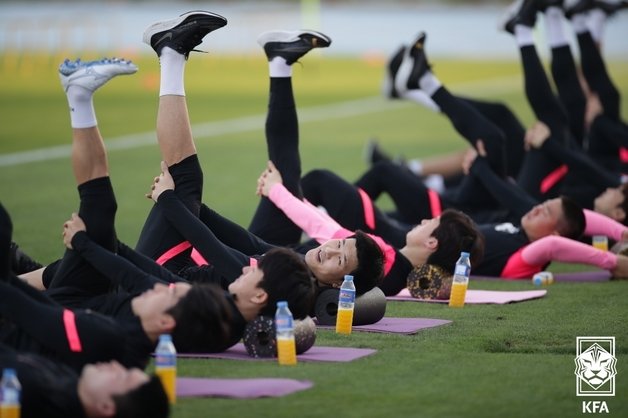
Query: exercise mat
259, 336
583, 276
406, 326
479, 296
316, 353
188, 387
369, 307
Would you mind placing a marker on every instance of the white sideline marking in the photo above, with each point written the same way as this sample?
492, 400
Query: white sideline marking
211, 129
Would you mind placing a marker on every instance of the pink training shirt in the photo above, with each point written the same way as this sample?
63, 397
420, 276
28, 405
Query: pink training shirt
533, 257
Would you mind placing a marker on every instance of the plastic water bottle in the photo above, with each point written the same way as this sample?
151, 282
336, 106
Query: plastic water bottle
10, 391
166, 366
461, 281
284, 331
346, 303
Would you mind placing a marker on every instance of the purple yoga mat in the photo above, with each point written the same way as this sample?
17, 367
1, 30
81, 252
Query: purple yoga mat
583, 276
479, 296
188, 387
397, 325
340, 354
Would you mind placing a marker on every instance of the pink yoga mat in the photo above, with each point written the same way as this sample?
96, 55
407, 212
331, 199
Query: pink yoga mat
340, 354
406, 326
479, 296
188, 387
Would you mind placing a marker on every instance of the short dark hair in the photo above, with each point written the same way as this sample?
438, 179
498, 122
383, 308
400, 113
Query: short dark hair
370, 269
456, 233
286, 277
573, 223
203, 319
147, 400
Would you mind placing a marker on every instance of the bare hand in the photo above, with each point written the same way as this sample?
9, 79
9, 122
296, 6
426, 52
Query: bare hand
71, 227
621, 269
593, 110
161, 183
471, 154
268, 179
537, 135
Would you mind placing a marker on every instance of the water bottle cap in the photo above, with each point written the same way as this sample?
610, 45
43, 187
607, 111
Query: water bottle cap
9, 372
348, 277
464, 254
165, 337
282, 304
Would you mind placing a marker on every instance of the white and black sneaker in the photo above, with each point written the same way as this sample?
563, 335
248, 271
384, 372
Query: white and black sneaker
291, 45
93, 74
184, 33
392, 68
413, 66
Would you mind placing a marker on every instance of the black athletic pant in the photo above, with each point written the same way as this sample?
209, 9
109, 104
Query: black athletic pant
472, 125
570, 92
282, 139
158, 235
97, 209
513, 130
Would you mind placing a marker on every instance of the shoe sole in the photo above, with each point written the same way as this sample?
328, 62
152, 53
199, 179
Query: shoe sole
173, 23
389, 89
291, 36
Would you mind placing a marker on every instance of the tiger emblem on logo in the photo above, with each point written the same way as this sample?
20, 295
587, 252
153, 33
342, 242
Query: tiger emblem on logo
595, 366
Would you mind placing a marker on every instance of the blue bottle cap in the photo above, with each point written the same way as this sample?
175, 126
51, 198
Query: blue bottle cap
165, 337
9, 372
348, 277
464, 253
282, 304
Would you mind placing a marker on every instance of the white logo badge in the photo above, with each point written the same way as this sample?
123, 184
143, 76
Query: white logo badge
595, 366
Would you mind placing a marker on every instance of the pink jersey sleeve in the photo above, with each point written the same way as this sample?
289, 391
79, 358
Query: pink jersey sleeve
598, 224
318, 224
313, 221
556, 248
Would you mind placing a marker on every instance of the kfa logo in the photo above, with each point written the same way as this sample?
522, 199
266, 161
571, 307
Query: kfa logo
595, 371
595, 366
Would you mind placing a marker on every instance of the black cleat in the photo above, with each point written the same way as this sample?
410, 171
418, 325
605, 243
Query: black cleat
184, 33
373, 153
521, 12
291, 45
20, 261
414, 65
392, 68
421, 66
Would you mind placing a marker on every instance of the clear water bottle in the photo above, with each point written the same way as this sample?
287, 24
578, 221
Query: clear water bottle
166, 366
284, 331
11, 390
346, 304
461, 281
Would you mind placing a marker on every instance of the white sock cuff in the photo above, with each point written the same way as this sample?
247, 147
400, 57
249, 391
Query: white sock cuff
429, 83
524, 35
554, 27
416, 167
172, 66
422, 98
579, 23
81, 104
278, 68
596, 21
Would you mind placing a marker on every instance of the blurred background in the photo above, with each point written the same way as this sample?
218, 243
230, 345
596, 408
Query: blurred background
458, 29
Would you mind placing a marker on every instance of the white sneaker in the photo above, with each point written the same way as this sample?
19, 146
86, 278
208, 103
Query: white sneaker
93, 74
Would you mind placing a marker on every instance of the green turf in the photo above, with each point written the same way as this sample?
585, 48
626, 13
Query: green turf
492, 361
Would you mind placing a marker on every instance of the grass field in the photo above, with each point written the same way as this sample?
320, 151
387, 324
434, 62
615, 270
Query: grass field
492, 361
